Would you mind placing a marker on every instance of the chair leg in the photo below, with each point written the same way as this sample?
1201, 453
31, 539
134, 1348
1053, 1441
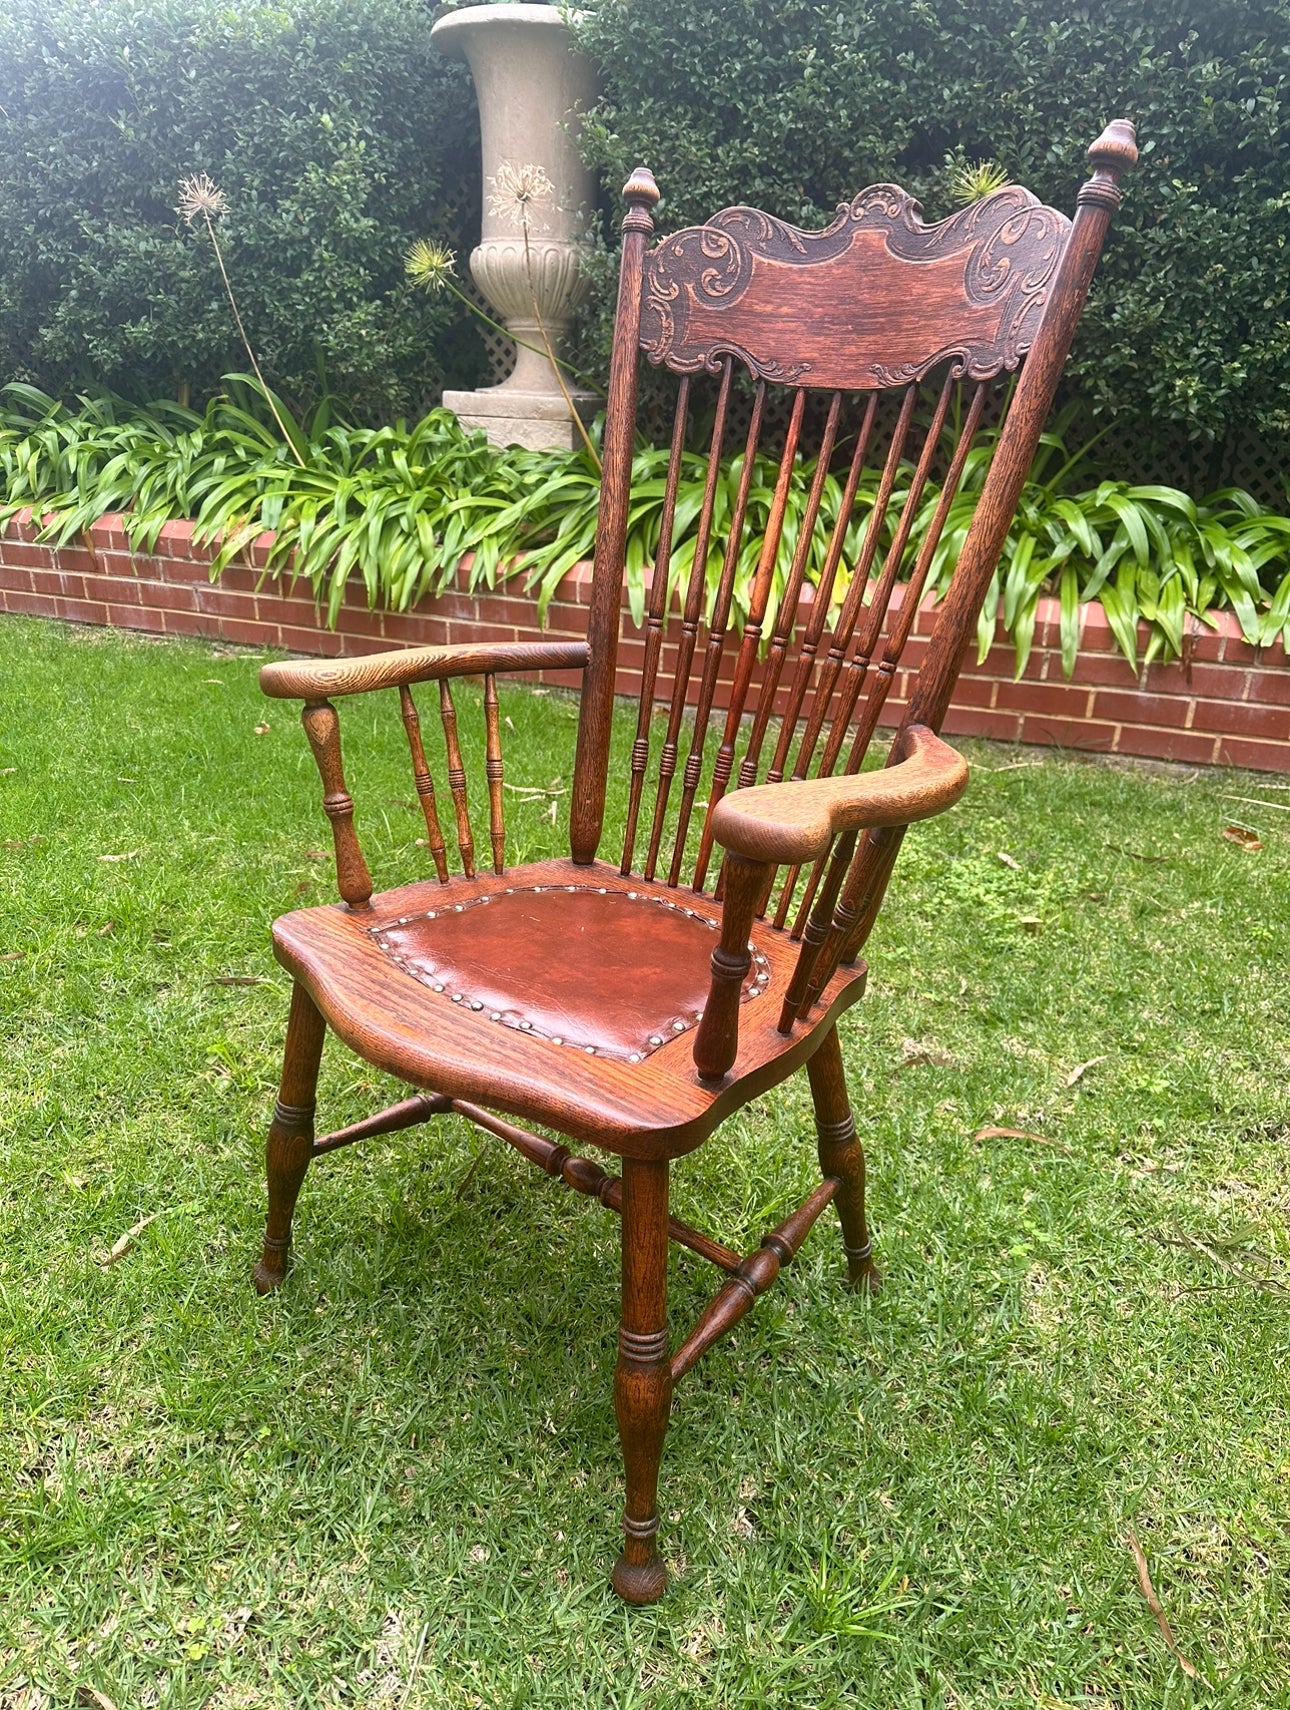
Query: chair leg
291, 1135
842, 1155
643, 1380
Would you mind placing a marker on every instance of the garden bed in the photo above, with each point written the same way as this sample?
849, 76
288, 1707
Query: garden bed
1227, 703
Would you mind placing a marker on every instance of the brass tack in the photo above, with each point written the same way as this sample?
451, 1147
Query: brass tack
525, 1026
437, 987
557, 1041
456, 997
496, 1015
590, 1050
634, 1058
678, 1026
477, 1006
654, 1039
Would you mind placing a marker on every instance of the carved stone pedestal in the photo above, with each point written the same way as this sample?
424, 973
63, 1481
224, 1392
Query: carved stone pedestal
532, 83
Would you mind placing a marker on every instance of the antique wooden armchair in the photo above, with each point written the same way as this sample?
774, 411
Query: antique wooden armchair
633, 1006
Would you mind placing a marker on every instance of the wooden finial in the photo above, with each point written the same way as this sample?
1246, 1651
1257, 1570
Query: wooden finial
641, 195
640, 189
1116, 150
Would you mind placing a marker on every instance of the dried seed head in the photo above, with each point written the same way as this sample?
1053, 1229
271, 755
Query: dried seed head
518, 190
200, 194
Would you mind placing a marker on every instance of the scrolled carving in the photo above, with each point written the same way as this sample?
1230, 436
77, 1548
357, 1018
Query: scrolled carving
877, 298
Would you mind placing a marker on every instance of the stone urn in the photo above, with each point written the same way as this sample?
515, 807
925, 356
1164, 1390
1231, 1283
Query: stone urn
532, 84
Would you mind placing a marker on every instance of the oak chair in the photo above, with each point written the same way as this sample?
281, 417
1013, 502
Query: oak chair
632, 1005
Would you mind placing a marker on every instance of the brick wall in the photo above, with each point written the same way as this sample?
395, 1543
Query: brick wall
1229, 705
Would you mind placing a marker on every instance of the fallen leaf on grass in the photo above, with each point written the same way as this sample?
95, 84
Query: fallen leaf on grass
123, 1243
915, 1053
129, 855
1081, 1069
1155, 1606
238, 980
92, 1695
262, 729
315, 854
1008, 861
1019, 1134
1029, 922
13, 956
7, 771
1243, 838
102, 931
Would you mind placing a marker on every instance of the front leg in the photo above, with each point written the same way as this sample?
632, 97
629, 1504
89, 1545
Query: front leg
643, 1380
842, 1156
291, 1135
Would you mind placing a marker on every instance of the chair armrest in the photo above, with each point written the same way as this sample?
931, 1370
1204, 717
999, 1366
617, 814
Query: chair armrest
771, 824
795, 822
320, 679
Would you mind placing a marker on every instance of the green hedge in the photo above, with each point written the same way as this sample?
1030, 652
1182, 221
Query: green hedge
794, 106
337, 134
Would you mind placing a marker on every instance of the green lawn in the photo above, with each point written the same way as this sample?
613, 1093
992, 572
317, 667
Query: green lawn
397, 1482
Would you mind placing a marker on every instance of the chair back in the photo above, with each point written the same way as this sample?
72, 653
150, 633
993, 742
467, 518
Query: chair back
836, 391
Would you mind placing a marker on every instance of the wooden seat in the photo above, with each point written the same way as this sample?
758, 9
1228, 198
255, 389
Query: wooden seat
632, 1005
593, 983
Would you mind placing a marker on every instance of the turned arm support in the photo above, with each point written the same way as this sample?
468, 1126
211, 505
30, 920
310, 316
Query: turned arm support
321, 679
795, 823
315, 681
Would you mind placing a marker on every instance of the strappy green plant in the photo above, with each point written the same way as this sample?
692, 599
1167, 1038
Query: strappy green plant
400, 510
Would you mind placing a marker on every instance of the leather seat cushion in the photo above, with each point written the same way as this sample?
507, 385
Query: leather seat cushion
610, 972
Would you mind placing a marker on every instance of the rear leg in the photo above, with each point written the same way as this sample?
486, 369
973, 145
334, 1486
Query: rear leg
291, 1135
842, 1156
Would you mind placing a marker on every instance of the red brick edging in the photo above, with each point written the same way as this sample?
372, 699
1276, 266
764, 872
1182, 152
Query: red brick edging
1229, 705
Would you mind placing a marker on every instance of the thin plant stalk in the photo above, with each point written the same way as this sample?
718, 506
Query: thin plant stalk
201, 195
232, 303
551, 357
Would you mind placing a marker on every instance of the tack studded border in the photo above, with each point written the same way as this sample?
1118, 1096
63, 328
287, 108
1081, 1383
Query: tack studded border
753, 987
